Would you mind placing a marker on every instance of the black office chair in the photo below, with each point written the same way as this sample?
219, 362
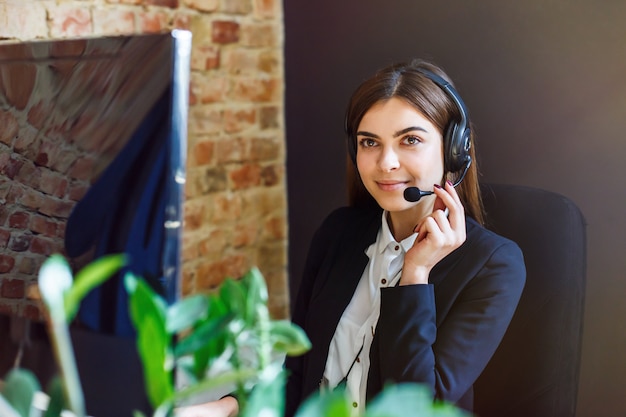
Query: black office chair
535, 370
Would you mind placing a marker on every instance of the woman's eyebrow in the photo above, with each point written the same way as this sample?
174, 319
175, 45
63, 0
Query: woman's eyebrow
409, 129
395, 135
368, 134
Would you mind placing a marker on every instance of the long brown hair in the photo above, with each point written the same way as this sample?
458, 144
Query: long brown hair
406, 82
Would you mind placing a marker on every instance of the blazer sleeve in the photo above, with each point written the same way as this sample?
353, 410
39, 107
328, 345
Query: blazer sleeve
449, 356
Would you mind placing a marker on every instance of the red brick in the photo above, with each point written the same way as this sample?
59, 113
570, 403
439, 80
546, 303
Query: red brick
77, 191
43, 225
259, 35
208, 88
19, 220
256, 90
152, 22
10, 165
202, 5
272, 175
6, 263
245, 234
9, 129
111, 21
225, 31
53, 183
194, 216
267, 9
69, 22
203, 152
30, 198
5, 235
29, 175
215, 243
28, 266
82, 168
247, 176
203, 121
205, 57
183, 21
269, 117
189, 249
226, 207
27, 142
42, 246
236, 7
12, 288
238, 120
165, 3
232, 150
275, 228
56, 208
32, 312
211, 180
211, 274
265, 149
20, 242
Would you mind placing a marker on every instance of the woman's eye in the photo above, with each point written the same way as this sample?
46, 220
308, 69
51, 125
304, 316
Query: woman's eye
367, 142
412, 140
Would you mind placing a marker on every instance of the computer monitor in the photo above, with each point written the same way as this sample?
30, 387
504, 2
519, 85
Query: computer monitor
93, 137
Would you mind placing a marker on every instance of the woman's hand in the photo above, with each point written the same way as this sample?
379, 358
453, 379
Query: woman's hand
224, 407
438, 236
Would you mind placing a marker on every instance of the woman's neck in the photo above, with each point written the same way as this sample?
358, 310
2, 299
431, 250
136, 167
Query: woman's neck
402, 223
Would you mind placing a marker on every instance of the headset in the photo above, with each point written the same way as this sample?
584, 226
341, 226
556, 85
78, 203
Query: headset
457, 135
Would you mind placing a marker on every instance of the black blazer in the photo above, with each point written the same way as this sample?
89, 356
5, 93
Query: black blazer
441, 334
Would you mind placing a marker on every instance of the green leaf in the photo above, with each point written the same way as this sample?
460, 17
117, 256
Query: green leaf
186, 312
289, 338
57, 399
268, 396
396, 400
204, 356
147, 311
330, 404
233, 296
92, 275
256, 293
202, 335
19, 388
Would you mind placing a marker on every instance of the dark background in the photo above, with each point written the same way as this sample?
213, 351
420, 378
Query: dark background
544, 83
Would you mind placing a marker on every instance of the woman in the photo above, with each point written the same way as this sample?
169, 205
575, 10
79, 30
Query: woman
397, 290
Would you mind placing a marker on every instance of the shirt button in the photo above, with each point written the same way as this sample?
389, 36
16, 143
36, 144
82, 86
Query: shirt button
383, 281
354, 404
396, 247
358, 360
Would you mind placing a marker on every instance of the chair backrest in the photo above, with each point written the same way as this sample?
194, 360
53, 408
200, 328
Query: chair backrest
535, 370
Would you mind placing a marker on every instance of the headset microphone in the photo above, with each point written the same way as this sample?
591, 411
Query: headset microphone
414, 194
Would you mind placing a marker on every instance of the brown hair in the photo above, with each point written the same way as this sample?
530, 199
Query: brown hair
405, 81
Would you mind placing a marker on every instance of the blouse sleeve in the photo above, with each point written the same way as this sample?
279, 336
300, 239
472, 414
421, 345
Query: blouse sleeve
449, 357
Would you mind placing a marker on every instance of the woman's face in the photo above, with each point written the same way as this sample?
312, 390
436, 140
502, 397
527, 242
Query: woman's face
397, 148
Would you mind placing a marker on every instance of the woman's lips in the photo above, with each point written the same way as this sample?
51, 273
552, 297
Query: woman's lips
391, 185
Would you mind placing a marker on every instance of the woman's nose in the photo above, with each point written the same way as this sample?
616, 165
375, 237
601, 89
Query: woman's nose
388, 160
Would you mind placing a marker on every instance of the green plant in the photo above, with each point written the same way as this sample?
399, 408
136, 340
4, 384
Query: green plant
229, 329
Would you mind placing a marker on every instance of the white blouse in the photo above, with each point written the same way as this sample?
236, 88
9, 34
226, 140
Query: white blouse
349, 350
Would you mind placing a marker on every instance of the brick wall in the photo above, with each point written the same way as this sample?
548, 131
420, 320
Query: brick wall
235, 208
